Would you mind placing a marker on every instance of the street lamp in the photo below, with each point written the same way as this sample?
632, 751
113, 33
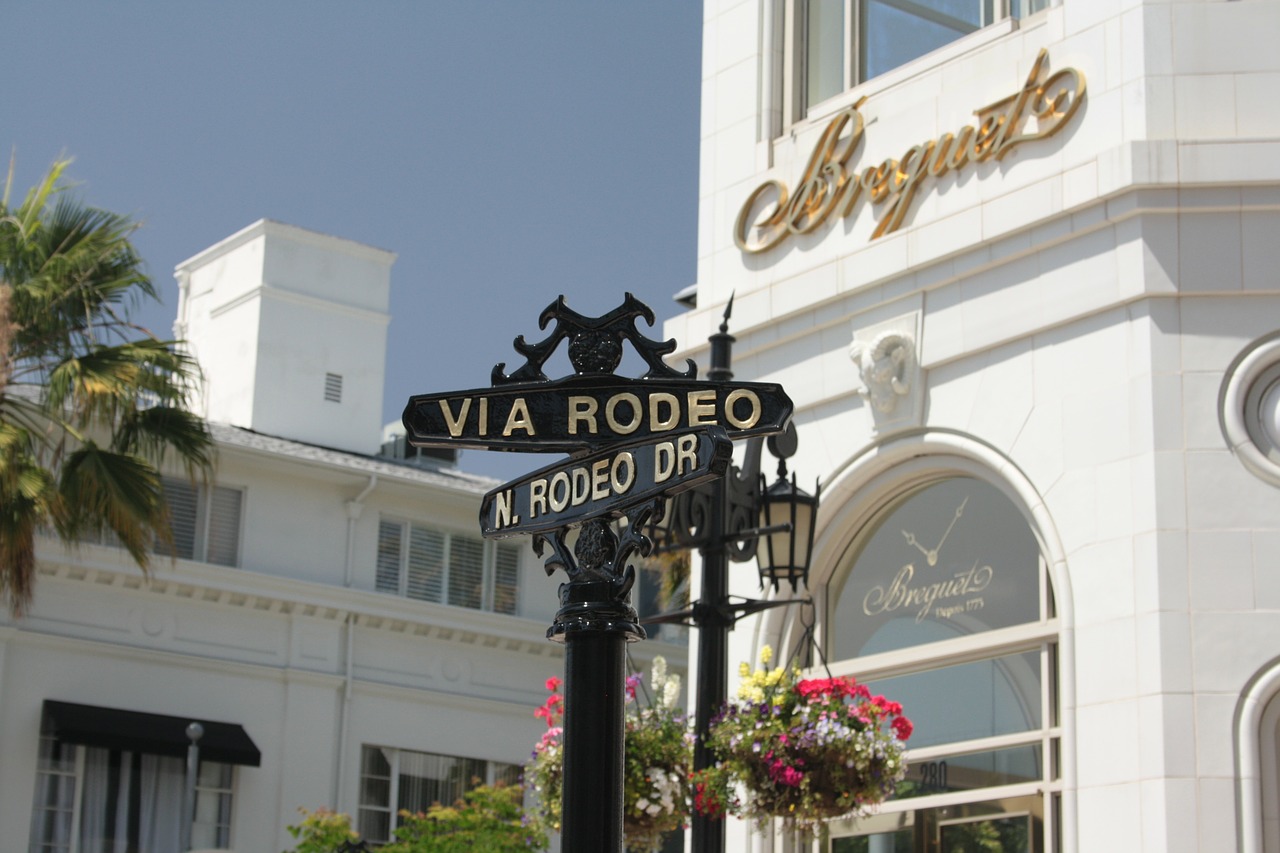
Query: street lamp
736, 517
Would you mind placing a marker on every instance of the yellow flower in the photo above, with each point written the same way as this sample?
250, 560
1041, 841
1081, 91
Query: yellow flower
766, 654
744, 670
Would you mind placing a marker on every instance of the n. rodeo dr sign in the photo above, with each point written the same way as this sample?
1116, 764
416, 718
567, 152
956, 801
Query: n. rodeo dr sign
604, 483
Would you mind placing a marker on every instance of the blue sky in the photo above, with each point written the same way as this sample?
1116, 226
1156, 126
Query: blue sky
508, 151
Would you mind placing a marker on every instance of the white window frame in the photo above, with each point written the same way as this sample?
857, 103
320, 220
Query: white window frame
1042, 636
489, 565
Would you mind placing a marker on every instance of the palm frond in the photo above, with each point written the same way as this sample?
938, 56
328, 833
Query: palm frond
25, 495
105, 491
156, 432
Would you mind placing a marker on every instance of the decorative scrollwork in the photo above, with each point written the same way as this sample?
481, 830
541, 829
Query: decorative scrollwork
600, 555
595, 344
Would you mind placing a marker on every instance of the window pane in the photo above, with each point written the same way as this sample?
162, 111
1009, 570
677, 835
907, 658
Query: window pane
952, 559
971, 700
1008, 835
427, 779
894, 32
466, 572
506, 578
180, 497
224, 526
374, 826
826, 36
969, 772
388, 565
213, 774
425, 578
374, 762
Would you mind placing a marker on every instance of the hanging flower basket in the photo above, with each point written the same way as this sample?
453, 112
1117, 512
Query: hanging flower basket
805, 750
658, 756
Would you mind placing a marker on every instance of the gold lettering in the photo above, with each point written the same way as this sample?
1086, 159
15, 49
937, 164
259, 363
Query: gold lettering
626, 463
537, 498
658, 423
484, 415
582, 409
938, 165
560, 491
702, 408
905, 182
771, 212
730, 413
664, 461
519, 418
600, 479
686, 453
984, 138
502, 515
960, 148
581, 486
611, 413
455, 424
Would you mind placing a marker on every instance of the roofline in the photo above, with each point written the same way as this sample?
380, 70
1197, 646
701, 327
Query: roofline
292, 232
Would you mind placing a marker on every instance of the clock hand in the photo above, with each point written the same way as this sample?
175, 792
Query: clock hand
911, 540
933, 555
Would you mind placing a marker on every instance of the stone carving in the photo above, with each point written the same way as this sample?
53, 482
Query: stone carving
886, 366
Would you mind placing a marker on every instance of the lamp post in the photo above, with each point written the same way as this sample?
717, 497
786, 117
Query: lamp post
194, 732
734, 518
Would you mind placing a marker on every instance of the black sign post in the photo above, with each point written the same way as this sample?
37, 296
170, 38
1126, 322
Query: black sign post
632, 443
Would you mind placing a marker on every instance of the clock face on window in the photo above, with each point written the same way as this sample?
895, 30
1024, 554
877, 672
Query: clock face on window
951, 558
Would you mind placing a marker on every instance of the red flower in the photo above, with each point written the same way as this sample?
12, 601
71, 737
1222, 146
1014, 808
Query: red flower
553, 683
902, 727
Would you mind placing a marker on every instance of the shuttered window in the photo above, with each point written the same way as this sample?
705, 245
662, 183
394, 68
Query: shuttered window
205, 522
429, 565
506, 580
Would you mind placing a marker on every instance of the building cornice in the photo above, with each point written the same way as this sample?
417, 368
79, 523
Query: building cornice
264, 227
102, 566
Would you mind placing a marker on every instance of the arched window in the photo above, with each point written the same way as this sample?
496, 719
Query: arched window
944, 604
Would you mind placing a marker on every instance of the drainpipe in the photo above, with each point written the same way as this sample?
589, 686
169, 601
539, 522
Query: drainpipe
354, 508
343, 715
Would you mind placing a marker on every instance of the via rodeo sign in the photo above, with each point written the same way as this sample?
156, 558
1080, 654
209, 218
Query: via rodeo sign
631, 441
831, 183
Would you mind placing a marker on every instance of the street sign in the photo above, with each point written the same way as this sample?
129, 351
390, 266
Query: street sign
581, 412
604, 483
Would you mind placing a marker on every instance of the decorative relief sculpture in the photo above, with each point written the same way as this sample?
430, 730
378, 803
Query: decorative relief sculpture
886, 366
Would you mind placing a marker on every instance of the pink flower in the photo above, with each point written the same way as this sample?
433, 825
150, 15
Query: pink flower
553, 683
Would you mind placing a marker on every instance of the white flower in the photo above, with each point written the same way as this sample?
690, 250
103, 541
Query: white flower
659, 675
671, 692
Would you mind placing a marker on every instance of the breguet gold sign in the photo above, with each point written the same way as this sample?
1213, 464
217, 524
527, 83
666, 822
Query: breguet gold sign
831, 181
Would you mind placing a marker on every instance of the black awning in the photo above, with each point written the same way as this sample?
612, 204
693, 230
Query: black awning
157, 734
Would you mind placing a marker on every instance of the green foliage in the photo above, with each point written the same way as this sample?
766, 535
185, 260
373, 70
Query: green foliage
91, 404
488, 819
321, 831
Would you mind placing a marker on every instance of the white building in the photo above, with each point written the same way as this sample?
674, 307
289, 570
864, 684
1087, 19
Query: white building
1016, 263
332, 616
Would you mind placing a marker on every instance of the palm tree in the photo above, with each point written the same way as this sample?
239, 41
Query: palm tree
91, 405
